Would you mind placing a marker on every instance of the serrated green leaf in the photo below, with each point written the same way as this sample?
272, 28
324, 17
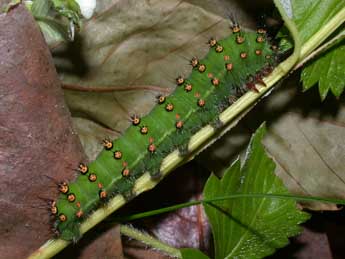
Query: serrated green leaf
189, 253
328, 71
251, 227
310, 16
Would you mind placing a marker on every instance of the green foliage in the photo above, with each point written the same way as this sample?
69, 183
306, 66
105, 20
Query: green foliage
189, 253
53, 30
41, 8
69, 9
251, 227
328, 71
48, 15
285, 43
311, 15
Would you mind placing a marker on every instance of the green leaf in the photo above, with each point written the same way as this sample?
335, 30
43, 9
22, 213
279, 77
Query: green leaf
53, 30
251, 227
69, 9
189, 253
40, 8
285, 43
328, 71
311, 15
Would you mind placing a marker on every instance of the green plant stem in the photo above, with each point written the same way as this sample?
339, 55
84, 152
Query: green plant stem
206, 135
321, 49
227, 197
323, 34
149, 240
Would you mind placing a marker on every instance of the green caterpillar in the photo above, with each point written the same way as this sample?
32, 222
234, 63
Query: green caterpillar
232, 67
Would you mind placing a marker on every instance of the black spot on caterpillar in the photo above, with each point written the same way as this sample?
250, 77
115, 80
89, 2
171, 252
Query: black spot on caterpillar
232, 67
